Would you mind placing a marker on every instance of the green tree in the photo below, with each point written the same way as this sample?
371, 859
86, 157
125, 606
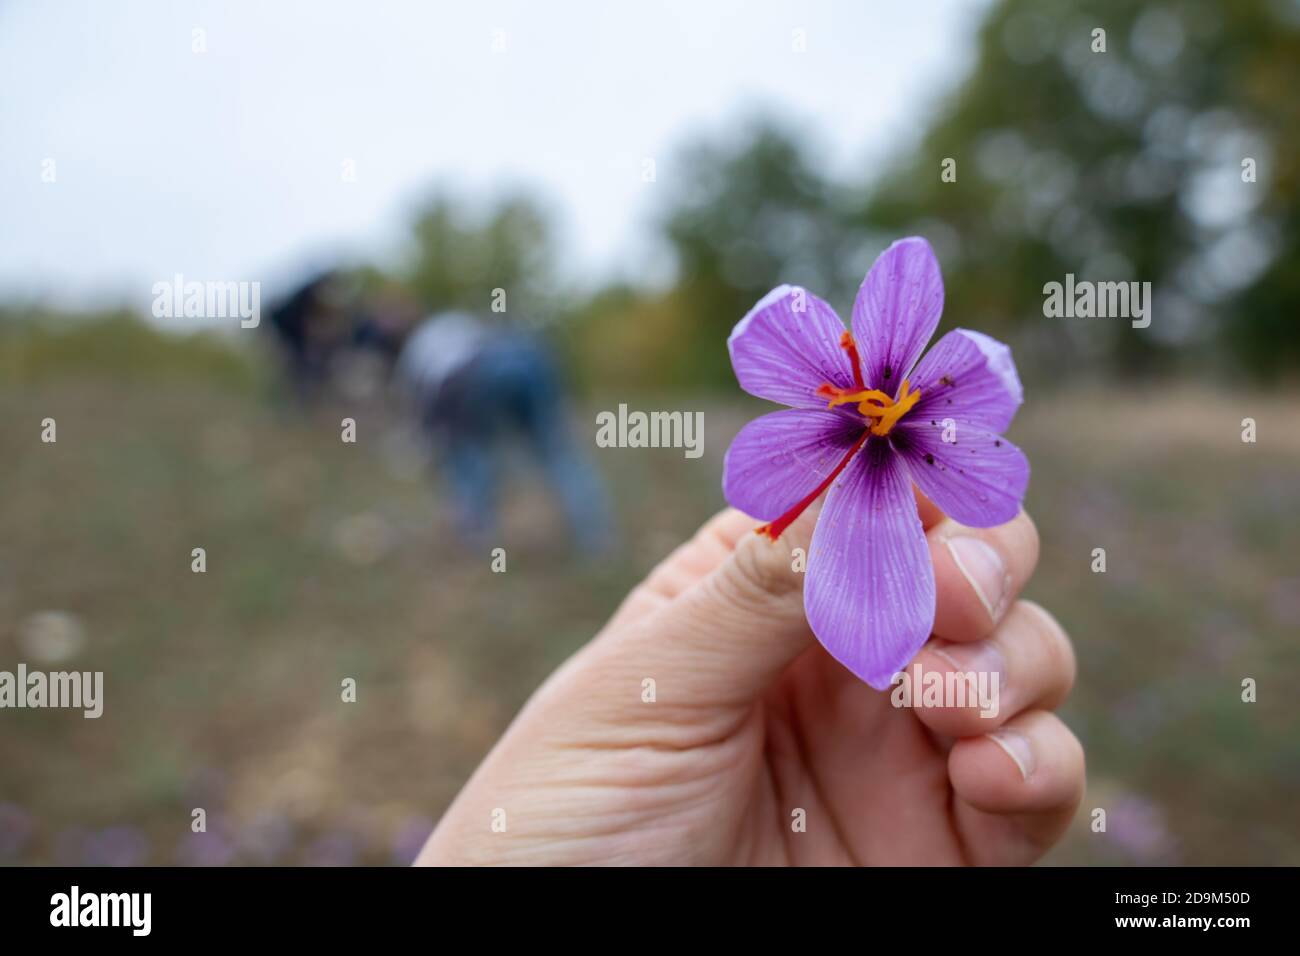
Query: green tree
749, 212
460, 257
1130, 163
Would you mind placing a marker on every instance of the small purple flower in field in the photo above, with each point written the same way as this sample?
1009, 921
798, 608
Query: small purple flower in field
214, 847
867, 424
122, 846
1139, 826
16, 828
333, 848
410, 839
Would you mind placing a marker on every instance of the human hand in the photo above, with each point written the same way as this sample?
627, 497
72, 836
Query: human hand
753, 721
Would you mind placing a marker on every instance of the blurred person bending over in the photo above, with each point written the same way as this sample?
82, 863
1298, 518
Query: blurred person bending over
474, 389
328, 320
313, 324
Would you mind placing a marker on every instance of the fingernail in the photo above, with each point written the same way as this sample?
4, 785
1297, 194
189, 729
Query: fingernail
1018, 748
981, 565
979, 657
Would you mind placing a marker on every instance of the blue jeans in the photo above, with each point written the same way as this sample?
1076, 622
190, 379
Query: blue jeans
511, 391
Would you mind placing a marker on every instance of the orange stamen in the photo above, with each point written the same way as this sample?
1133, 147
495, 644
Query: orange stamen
893, 411
874, 404
882, 414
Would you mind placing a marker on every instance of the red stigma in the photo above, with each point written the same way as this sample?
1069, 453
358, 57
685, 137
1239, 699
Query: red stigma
774, 529
848, 345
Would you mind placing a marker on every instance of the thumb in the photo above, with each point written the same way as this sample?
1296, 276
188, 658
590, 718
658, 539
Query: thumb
727, 636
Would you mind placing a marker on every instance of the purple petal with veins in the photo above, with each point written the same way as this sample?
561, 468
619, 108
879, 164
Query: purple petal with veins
969, 377
779, 458
976, 477
896, 312
870, 588
788, 345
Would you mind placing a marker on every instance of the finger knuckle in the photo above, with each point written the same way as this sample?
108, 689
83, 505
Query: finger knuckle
1056, 645
1027, 534
758, 572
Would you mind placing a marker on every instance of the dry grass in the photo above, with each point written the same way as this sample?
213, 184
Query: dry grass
328, 560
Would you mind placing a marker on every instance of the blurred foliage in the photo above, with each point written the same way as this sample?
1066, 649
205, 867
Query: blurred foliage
745, 212
748, 215
36, 345
460, 255
1120, 165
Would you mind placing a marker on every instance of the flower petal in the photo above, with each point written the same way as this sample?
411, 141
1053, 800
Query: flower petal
969, 377
869, 593
978, 478
897, 311
788, 345
780, 458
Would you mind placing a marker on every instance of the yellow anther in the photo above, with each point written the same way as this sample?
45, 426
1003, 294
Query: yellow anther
893, 411
860, 398
873, 404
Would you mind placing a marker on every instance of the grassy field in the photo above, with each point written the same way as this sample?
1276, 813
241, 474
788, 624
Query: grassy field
328, 560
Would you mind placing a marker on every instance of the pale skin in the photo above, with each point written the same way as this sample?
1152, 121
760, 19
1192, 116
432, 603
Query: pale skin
760, 748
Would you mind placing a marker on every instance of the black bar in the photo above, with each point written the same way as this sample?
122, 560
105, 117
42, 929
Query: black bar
335, 905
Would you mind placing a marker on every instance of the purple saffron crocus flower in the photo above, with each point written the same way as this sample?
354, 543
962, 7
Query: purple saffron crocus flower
867, 425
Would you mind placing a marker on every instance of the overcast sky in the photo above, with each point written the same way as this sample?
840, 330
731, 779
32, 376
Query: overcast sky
228, 164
